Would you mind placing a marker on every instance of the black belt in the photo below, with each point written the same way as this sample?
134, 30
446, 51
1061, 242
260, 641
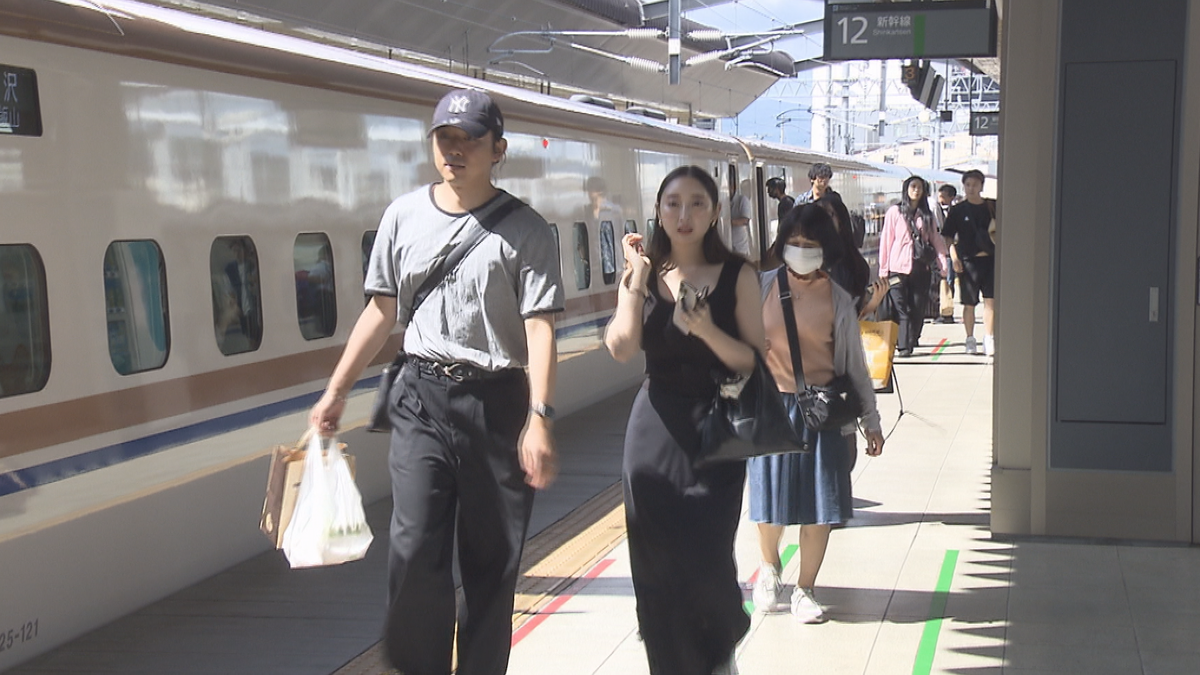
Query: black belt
458, 372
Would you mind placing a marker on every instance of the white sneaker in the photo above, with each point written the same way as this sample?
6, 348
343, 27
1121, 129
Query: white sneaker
727, 668
768, 589
972, 346
805, 608
989, 345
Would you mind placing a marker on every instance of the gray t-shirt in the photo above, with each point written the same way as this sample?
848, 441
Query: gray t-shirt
476, 315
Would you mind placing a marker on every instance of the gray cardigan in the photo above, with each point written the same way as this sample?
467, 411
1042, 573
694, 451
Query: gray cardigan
848, 355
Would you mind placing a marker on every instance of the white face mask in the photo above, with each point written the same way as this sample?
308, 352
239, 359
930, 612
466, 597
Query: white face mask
803, 260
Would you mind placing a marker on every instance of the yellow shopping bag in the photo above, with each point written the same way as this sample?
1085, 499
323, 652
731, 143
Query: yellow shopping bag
879, 346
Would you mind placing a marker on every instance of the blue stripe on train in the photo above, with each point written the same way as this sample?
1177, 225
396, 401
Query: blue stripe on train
23, 479
59, 469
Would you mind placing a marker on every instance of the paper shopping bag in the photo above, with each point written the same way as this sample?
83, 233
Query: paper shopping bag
283, 483
879, 347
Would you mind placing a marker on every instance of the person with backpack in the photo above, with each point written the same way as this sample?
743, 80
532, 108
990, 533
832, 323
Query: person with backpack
909, 248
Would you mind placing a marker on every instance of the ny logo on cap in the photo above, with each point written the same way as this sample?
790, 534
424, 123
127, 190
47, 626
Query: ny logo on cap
459, 104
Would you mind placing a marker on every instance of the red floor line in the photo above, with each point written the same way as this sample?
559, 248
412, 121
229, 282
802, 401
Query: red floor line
937, 351
527, 627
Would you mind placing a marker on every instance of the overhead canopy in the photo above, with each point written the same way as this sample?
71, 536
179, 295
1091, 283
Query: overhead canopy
462, 32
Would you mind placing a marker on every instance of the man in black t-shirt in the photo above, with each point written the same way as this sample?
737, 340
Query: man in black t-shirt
968, 232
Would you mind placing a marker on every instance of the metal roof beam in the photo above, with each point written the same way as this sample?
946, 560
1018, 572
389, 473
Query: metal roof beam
660, 9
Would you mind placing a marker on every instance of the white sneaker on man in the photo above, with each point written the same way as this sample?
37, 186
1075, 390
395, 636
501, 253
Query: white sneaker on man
805, 607
989, 345
768, 589
972, 346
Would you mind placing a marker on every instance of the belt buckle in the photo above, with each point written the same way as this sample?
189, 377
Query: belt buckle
450, 370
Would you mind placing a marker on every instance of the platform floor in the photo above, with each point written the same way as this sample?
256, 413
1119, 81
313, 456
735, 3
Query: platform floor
914, 584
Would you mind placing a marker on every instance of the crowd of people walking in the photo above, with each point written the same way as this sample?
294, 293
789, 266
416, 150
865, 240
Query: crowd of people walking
472, 423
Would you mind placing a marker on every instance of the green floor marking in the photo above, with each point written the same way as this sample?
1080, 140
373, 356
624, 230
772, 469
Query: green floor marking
937, 611
788, 552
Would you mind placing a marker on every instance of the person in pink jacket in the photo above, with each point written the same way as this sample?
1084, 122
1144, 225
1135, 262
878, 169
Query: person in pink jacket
909, 247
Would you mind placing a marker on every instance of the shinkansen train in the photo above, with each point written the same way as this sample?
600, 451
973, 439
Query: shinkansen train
188, 206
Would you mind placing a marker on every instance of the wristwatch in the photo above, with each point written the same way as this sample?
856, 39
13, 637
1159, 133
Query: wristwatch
542, 410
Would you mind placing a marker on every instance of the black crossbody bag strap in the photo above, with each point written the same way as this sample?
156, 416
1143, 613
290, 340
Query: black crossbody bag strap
789, 323
450, 262
379, 419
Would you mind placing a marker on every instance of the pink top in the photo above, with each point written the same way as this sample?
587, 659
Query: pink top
812, 303
895, 244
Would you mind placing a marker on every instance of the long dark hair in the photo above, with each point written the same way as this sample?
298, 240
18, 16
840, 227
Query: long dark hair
811, 222
850, 269
659, 250
910, 209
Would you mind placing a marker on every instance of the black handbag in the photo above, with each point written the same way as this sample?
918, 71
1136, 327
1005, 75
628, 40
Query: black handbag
832, 406
923, 250
747, 419
379, 419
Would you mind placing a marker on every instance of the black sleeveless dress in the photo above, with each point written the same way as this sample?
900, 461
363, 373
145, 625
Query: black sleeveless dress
682, 521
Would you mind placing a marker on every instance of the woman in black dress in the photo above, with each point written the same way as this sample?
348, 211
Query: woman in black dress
681, 520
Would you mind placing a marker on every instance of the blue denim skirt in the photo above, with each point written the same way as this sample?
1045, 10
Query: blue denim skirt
811, 488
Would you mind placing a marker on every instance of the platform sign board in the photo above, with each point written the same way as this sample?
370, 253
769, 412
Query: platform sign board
20, 112
985, 123
860, 31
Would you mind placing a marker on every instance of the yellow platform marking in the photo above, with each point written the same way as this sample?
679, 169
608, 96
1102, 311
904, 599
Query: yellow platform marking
551, 561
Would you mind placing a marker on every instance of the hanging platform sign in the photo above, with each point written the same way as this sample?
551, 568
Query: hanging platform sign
943, 29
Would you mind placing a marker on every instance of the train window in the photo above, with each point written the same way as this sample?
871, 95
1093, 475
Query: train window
583, 265
316, 301
557, 246
135, 299
236, 294
24, 321
631, 227
368, 243
608, 253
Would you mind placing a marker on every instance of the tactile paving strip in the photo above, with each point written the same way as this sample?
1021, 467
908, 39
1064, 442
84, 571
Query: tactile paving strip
551, 561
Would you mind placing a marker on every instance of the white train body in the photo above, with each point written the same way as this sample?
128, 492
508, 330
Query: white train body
163, 142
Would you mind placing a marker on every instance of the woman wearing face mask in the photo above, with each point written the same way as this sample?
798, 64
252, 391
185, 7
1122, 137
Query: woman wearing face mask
682, 520
909, 247
807, 489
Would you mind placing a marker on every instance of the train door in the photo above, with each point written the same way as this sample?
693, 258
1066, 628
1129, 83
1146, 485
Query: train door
760, 212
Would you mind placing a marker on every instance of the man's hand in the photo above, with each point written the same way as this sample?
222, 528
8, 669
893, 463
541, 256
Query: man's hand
538, 458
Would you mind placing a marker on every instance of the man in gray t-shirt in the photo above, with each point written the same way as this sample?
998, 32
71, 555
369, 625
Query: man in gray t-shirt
471, 433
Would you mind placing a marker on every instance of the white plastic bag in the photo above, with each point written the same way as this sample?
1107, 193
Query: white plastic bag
328, 526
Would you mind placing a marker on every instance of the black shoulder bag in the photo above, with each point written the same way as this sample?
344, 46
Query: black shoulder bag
922, 249
829, 407
380, 420
747, 418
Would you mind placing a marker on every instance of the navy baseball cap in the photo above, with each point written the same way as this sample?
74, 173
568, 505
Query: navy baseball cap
470, 110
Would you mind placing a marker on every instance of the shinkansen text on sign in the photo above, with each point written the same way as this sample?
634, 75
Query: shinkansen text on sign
857, 31
20, 112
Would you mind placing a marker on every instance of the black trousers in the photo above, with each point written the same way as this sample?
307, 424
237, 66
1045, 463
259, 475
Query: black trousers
454, 466
911, 297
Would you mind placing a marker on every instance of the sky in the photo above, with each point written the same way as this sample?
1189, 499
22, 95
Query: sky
759, 119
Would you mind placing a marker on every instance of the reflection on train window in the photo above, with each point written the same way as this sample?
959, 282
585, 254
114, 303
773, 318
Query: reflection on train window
583, 265
608, 254
368, 243
631, 227
24, 321
316, 303
557, 246
236, 294
135, 298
